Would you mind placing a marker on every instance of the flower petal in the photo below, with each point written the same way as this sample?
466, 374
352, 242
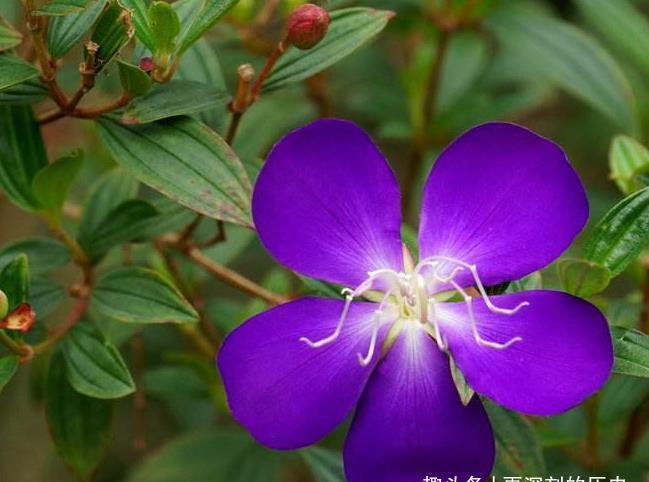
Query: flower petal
565, 354
503, 198
327, 205
286, 393
410, 422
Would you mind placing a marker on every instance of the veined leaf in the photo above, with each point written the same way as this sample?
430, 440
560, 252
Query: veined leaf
9, 36
14, 281
14, 71
51, 184
44, 254
184, 160
204, 14
175, 98
326, 465
583, 278
134, 80
631, 352
627, 159
61, 7
65, 32
622, 234
94, 366
139, 11
8, 366
26, 92
349, 29
138, 295
45, 296
79, 425
564, 55
113, 30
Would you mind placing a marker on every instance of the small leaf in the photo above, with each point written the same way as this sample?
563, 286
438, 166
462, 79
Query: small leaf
349, 29
8, 366
51, 184
326, 465
14, 71
94, 366
583, 278
108, 192
175, 98
224, 455
61, 7
204, 14
27, 92
517, 446
79, 425
44, 254
134, 80
138, 295
9, 36
165, 27
632, 40
22, 154
627, 158
631, 352
565, 56
65, 32
186, 161
123, 224
14, 281
622, 234
113, 30
139, 12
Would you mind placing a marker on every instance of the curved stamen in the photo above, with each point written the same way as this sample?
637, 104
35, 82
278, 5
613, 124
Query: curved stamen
365, 360
432, 319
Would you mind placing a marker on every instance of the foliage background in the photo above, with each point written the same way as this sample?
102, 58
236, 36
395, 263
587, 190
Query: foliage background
575, 71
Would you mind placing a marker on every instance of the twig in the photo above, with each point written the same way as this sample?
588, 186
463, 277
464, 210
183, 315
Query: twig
23, 350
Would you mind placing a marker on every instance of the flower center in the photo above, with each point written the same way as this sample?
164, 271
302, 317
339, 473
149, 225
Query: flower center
413, 295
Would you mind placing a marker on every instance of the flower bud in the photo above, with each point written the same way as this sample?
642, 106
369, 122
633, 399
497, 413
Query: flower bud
146, 64
307, 26
20, 319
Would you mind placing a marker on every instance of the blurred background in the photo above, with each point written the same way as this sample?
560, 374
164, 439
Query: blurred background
574, 71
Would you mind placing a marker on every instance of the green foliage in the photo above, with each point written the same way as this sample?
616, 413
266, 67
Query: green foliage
325, 464
583, 278
14, 281
79, 425
8, 367
202, 16
51, 184
138, 295
165, 27
94, 366
14, 71
65, 32
631, 352
44, 254
112, 31
627, 159
134, 80
9, 36
61, 7
158, 154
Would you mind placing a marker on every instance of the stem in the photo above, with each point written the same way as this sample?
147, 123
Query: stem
23, 350
421, 140
92, 113
233, 278
277, 52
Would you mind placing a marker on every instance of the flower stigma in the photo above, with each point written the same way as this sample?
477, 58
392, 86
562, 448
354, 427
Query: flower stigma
413, 296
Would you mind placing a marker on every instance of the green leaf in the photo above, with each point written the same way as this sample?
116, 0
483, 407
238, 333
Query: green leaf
22, 154
326, 465
8, 366
349, 29
52, 183
134, 80
61, 7
44, 254
94, 366
112, 32
9, 36
619, 397
14, 281
631, 352
606, 17
139, 11
225, 455
583, 278
45, 296
123, 224
65, 32
565, 56
517, 446
27, 92
165, 27
186, 161
175, 98
79, 425
14, 71
627, 159
138, 295
205, 13
108, 192
621, 234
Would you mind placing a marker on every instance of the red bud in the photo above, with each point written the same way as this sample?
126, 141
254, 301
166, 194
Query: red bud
307, 25
20, 319
146, 64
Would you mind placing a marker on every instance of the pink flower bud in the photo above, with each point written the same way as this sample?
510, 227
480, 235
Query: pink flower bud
307, 25
20, 319
146, 64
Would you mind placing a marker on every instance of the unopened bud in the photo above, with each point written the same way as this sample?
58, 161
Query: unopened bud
146, 64
20, 319
4, 304
307, 25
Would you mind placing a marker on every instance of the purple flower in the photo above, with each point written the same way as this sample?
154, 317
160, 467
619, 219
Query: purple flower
499, 203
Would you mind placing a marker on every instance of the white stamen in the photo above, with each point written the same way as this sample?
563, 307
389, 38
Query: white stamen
376, 318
